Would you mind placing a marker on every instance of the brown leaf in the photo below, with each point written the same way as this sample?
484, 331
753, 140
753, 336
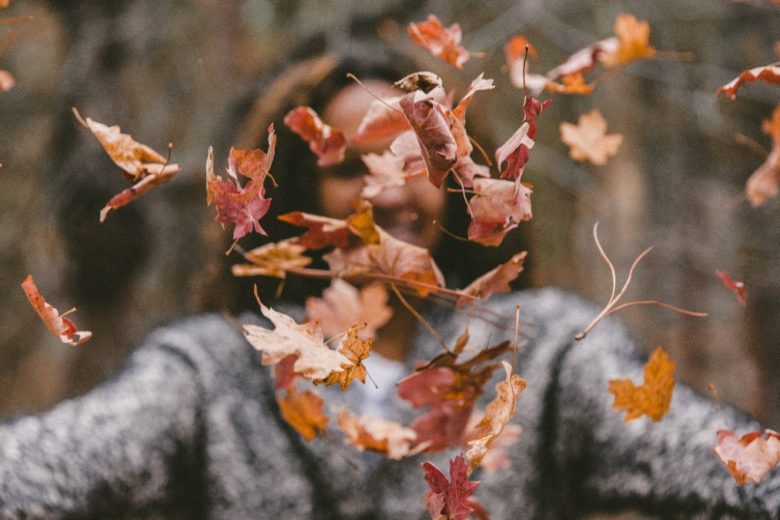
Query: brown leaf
767, 73
498, 413
751, 456
653, 397
155, 175
328, 144
303, 411
314, 359
423, 80
273, 259
588, 140
389, 438
496, 280
322, 231
442, 42
60, 326
342, 305
355, 350
497, 207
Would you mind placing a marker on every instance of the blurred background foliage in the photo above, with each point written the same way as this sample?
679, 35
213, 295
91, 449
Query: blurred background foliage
179, 71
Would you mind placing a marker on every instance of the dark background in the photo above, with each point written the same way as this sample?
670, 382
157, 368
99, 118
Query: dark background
175, 72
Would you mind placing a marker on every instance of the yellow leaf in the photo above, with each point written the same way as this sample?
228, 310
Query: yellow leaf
653, 397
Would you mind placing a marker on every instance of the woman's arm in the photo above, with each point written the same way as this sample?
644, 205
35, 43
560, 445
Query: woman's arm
127, 446
663, 468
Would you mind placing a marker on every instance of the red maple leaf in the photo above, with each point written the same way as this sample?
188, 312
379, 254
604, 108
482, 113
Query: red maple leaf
328, 144
449, 499
497, 207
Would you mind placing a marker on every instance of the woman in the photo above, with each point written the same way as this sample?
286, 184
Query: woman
191, 428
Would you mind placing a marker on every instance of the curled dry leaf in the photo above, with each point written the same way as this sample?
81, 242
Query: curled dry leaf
750, 457
273, 259
588, 139
139, 163
516, 151
767, 73
383, 120
763, 183
653, 397
479, 83
355, 350
423, 80
314, 359
497, 207
442, 42
244, 205
449, 499
496, 280
303, 411
498, 413
60, 326
738, 288
342, 305
7, 81
389, 438
322, 231
328, 144
450, 390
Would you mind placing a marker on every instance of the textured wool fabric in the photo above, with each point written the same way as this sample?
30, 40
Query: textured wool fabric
190, 429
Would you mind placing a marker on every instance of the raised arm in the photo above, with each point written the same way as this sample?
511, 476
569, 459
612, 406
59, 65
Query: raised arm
663, 468
129, 445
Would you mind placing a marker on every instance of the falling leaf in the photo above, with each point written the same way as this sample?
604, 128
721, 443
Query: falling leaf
273, 259
361, 223
442, 42
432, 126
479, 83
355, 350
327, 143
767, 73
244, 205
449, 389
7, 81
763, 183
388, 171
449, 499
343, 305
314, 359
633, 42
751, 456
514, 51
383, 120
322, 231
139, 163
571, 84
653, 397
737, 287
389, 438
496, 280
136, 160
498, 413
588, 140
423, 80
303, 411
60, 326
516, 152
497, 207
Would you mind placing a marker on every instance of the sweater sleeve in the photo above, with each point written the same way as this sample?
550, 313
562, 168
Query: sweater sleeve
661, 468
124, 448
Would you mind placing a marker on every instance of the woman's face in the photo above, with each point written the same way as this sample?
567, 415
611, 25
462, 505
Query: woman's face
407, 212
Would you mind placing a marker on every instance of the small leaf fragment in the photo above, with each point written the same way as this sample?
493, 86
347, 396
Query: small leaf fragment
60, 326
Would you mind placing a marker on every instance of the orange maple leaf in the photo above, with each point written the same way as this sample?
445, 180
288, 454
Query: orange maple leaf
60, 326
355, 350
653, 397
571, 84
633, 42
588, 139
303, 411
442, 42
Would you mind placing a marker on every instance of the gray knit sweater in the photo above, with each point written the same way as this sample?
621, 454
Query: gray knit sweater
190, 429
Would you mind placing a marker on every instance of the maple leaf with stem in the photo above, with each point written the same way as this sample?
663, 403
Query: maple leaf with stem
355, 350
612, 305
588, 139
60, 326
273, 259
653, 397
